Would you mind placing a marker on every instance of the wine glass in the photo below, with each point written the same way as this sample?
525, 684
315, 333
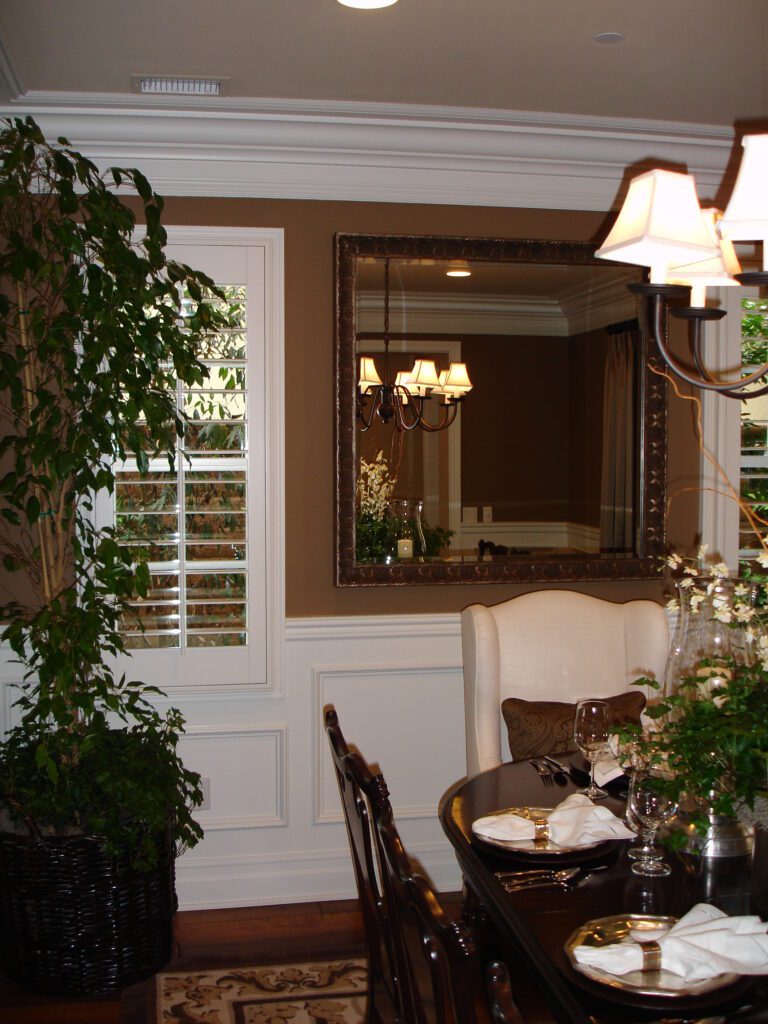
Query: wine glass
652, 807
590, 731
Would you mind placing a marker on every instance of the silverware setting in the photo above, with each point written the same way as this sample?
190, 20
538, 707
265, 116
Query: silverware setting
564, 878
549, 770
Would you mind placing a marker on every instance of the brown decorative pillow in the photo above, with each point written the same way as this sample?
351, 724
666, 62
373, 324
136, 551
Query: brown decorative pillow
539, 727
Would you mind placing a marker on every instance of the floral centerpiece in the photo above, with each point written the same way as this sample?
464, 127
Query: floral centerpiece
375, 526
709, 724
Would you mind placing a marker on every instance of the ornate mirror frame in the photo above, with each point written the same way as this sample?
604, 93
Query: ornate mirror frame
645, 564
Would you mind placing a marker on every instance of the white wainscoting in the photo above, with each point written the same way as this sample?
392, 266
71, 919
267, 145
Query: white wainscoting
533, 534
274, 829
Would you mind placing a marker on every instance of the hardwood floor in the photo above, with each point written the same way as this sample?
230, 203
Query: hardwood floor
208, 938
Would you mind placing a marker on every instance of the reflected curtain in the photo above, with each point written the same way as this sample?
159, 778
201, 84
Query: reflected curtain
617, 492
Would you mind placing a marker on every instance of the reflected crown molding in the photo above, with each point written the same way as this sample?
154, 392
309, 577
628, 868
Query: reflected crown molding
406, 153
575, 311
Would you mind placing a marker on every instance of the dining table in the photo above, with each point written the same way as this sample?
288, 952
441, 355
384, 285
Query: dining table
529, 928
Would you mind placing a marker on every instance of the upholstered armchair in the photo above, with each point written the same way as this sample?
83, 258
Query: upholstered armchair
551, 645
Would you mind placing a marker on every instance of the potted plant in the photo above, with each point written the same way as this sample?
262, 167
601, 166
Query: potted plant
93, 796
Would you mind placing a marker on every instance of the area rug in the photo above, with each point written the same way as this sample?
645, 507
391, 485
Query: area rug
311, 993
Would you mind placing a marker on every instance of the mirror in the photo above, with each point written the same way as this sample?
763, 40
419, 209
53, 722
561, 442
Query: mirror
553, 465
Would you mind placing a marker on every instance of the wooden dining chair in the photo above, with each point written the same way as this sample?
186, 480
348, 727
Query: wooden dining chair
440, 970
363, 794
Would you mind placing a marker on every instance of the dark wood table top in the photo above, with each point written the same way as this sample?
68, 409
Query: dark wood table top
535, 925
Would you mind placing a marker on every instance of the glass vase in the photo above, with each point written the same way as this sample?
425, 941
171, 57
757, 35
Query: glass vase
406, 529
707, 638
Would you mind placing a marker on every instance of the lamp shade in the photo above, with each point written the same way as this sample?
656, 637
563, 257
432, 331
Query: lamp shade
456, 381
423, 376
746, 217
715, 272
659, 224
369, 377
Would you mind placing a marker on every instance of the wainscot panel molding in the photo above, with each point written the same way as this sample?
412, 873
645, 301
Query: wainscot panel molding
284, 149
306, 875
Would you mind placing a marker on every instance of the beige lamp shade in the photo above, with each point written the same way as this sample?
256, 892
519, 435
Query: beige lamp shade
456, 381
660, 224
424, 376
715, 272
403, 380
369, 377
746, 218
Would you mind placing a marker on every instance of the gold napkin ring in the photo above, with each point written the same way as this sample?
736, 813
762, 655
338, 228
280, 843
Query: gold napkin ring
540, 831
651, 956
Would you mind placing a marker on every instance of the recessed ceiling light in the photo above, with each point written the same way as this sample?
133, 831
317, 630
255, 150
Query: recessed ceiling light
167, 85
458, 268
367, 5
609, 37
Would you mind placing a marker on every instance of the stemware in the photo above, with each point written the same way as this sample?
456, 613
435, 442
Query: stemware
590, 732
652, 807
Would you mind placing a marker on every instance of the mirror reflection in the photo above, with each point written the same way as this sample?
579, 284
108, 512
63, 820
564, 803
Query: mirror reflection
498, 409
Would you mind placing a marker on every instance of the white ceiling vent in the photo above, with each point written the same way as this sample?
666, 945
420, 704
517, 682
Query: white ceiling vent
166, 85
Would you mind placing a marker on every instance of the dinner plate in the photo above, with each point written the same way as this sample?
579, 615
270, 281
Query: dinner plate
544, 848
606, 931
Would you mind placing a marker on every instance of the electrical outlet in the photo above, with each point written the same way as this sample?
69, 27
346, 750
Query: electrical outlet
469, 514
487, 513
205, 785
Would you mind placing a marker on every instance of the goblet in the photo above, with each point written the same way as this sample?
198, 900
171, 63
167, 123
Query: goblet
652, 807
590, 732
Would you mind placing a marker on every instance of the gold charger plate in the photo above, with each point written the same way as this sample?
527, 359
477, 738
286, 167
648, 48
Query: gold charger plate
606, 931
535, 847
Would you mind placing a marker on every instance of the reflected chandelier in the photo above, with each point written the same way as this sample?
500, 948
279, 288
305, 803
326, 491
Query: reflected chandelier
404, 401
661, 226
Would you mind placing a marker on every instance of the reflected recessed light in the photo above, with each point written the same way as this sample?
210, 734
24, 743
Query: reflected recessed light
458, 268
367, 5
609, 37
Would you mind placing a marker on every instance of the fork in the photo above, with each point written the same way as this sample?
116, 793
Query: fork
545, 772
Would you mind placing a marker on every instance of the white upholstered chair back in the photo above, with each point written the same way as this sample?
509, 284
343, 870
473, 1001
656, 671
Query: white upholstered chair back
551, 645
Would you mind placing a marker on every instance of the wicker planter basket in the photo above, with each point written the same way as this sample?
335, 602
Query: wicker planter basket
74, 921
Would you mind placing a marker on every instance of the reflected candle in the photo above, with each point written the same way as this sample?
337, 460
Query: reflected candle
405, 548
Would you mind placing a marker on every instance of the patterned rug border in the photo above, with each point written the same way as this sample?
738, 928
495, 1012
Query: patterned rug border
227, 995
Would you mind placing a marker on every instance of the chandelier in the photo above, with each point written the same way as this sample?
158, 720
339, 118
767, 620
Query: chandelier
661, 226
404, 400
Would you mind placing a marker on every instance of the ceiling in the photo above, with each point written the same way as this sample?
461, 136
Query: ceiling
701, 61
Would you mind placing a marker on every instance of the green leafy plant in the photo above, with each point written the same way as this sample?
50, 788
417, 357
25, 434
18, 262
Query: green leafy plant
714, 743
96, 332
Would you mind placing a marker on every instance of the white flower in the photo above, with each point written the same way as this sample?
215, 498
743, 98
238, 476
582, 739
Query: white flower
673, 604
686, 583
696, 600
723, 614
703, 549
721, 571
674, 560
690, 570
762, 559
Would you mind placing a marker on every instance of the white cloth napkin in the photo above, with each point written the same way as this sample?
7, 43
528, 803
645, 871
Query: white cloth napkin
574, 822
703, 943
607, 770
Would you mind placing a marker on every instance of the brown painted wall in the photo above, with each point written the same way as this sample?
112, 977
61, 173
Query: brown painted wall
588, 353
515, 439
309, 230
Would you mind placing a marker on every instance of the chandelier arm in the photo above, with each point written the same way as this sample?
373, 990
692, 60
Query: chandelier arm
728, 388
366, 421
446, 419
415, 403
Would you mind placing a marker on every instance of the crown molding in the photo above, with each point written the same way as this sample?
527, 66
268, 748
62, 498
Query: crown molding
289, 149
